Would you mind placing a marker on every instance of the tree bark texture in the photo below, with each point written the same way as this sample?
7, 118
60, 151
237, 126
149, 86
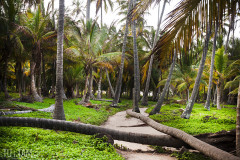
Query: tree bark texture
59, 111
109, 83
166, 86
218, 94
119, 80
187, 112
207, 104
99, 85
146, 90
88, 10
136, 66
201, 146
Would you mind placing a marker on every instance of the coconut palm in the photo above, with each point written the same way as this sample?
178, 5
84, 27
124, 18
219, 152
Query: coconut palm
99, 5
59, 111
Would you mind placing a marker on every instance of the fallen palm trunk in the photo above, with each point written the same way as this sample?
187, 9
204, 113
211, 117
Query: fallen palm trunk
201, 146
160, 140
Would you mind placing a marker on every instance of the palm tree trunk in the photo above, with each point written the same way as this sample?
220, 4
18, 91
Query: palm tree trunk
109, 83
88, 94
207, 104
45, 91
36, 97
201, 146
160, 140
59, 111
187, 112
99, 85
77, 90
145, 93
88, 10
215, 96
5, 78
238, 124
218, 94
136, 66
166, 86
119, 80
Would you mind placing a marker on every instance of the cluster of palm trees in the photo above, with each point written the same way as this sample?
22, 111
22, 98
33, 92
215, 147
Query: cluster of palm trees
194, 45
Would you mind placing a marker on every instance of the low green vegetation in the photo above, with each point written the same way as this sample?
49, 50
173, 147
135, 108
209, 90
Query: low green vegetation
201, 121
32, 143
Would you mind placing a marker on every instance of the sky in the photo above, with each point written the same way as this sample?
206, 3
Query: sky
111, 16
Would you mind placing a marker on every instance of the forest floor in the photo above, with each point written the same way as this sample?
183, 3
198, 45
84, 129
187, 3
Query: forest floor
120, 121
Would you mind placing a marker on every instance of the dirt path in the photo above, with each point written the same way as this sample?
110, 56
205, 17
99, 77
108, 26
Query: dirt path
120, 122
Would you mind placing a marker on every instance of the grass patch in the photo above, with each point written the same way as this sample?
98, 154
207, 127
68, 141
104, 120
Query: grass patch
32, 143
224, 119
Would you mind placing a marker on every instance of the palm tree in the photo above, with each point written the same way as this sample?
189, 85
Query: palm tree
99, 4
145, 93
119, 80
238, 123
136, 89
207, 104
59, 111
158, 106
88, 10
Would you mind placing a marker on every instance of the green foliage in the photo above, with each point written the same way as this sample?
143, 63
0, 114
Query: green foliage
32, 143
189, 156
224, 119
221, 60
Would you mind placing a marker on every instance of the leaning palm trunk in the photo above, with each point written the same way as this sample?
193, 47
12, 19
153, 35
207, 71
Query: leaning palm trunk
160, 140
99, 86
201, 146
59, 111
145, 93
109, 83
238, 124
166, 86
119, 80
136, 67
187, 112
207, 104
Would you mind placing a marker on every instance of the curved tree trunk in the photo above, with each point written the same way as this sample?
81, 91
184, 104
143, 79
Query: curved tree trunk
109, 83
160, 140
201, 146
119, 80
238, 124
36, 97
187, 112
166, 86
207, 104
59, 111
99, 86
136, 66
145, 93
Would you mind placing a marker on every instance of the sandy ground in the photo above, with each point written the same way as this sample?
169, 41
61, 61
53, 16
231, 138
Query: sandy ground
120, 122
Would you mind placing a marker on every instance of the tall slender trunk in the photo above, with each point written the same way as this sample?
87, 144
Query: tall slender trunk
39, 75
136, 66
238, 124
33, 85
166, 86
109, 83
207, 104
77, 90
215, 96
88, 10
187, 112
218, 94
145, 93
52, 91
91, 91
19, 78
99, 85
59, 111
119, 80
